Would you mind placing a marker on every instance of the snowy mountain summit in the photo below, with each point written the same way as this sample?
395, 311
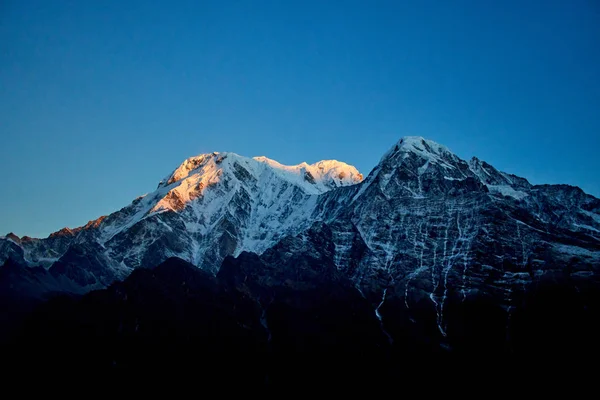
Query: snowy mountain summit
314, 179
229, 204
211, 206
220, 204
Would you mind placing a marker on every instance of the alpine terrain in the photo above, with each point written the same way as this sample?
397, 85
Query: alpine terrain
429, 256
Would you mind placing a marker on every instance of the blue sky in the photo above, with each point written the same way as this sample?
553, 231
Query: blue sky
100, 100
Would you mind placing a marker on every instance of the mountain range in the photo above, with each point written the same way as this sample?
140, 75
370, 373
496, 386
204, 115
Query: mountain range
428, 255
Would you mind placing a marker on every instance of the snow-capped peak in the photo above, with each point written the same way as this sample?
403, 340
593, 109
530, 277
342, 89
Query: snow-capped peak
216, 178
418, 161
254, 201
324, 175
321, 176
189, 165
420, 146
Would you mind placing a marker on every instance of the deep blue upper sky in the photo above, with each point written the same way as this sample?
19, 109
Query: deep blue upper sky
100, 100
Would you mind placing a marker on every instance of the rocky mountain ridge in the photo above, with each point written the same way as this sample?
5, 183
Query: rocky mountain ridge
211, 206
432, 242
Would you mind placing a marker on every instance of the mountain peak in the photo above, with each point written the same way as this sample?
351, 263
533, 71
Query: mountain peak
416, 144
63, 232
327, 174
13, 237
191, 164
224, 186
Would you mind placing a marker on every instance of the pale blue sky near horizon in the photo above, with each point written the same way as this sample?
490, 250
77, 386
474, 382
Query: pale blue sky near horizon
101, 100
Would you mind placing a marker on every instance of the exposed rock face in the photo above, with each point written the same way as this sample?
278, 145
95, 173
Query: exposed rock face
428, 233
430, 253
11, 249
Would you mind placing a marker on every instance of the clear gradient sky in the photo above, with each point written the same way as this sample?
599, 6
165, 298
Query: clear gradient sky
99, 100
